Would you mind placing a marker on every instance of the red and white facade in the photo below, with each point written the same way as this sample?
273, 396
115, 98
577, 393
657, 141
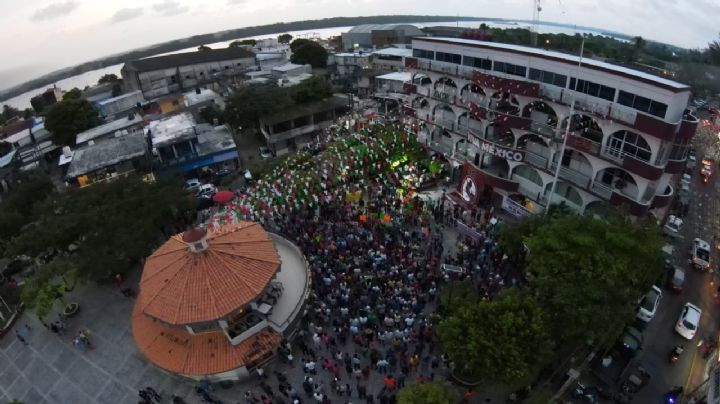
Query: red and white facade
503, 110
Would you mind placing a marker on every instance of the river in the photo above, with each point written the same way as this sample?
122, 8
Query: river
90, 78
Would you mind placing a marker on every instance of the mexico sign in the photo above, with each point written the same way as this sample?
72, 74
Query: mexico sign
502, 152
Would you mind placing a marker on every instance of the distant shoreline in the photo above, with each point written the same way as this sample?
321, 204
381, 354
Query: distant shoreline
197, 40
269, 29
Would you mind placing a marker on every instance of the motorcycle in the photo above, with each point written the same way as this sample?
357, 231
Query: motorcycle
675, 354
673, 396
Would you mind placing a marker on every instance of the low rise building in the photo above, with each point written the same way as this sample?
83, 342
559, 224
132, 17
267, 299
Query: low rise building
121, 104
108, 160
119, 127
176, 73
389, 59
48, 98
179, 144
287, 130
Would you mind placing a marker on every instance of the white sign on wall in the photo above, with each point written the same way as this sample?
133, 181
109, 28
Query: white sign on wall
502, 152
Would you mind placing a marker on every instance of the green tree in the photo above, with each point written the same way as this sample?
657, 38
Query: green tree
242, 42
587, 273
18, 207
248, 104
436, 392
74, 94
505, 340
284, 38
204, 48
713, 52
313, 89
69, 117
108, 78
294, 45
111, 226
309, 52
28, 113
8, 112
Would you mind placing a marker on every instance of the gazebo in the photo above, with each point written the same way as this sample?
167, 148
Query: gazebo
206, 301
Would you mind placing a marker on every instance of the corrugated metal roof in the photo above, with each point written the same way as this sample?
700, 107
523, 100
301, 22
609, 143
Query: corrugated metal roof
188, 58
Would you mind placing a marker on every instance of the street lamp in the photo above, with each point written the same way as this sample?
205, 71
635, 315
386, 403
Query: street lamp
567, 133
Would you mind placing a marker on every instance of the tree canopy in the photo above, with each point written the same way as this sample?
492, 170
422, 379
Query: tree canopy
588, 273
504, 340
242, 42
88, 234
305, 52
284, 38
69, 117
435, 392
204, 48
248, 104
108, 78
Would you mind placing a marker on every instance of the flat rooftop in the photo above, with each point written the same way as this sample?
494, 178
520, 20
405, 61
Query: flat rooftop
213, 140
287, 67
192, 97
310, 108
171, 129
106, 153
110, 127
404, 52
120, 97
294, 274
404, 77
558, 56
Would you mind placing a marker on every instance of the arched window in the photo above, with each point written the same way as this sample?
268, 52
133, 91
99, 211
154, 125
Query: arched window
625, 143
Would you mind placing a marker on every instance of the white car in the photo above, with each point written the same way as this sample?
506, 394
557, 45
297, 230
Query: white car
673, 225
686, 179
207, 190
649, 304
689, 321
192, 185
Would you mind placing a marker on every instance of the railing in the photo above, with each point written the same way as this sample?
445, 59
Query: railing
529, 188
535, 159
447, 96
442, 147
445, 123
543, 129
577, 178
602, 190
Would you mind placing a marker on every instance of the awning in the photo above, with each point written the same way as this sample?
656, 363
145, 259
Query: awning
223, 196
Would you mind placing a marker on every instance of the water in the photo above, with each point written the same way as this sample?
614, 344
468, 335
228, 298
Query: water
90, 78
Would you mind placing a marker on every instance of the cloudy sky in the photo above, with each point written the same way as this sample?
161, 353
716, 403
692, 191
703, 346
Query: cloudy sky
44, 35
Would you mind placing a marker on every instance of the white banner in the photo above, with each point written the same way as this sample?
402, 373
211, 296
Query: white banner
514, 208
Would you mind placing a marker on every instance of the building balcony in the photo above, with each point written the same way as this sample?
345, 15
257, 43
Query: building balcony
535, 160
496, 177
636, 208
543, 129
442, 147
664, 199
530, 189
615, 156
575, 177
642, 168
688, 126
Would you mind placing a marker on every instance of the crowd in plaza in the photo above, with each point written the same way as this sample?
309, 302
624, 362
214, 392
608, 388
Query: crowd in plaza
375, 249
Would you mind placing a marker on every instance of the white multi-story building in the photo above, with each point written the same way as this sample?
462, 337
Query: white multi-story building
501, 112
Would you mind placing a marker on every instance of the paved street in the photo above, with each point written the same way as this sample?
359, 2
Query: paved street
703, 221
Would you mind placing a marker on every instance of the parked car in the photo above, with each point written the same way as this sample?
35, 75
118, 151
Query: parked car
649, 304
686, 179
206, 190
192, 185
672, 226
689, 321
677, 280
700, 253
691, 161
265, 153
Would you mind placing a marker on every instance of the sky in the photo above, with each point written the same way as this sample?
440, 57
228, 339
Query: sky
45, 35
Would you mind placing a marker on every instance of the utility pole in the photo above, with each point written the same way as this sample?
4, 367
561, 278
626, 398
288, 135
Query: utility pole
565, 136
535, 22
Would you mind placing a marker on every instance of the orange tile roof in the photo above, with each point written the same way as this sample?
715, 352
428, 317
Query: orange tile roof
181, 287
176, 350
